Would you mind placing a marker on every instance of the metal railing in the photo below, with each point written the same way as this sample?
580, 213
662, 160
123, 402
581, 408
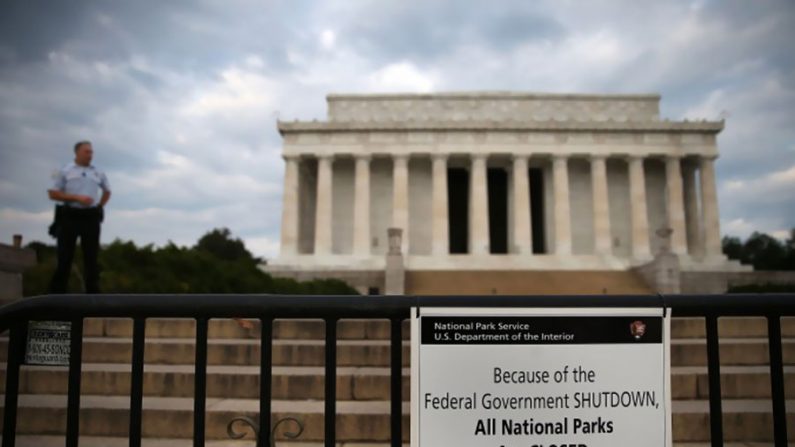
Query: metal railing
267, 308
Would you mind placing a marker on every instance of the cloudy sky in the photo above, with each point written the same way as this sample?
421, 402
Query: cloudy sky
181, 98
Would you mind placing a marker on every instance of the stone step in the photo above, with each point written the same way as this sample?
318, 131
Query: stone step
363, 378
734, 327
744, 420
353, 383
104, 441
289, 383
737, 382
733, 351
173, 417
97, 441
178, 351
525, 282
360, 329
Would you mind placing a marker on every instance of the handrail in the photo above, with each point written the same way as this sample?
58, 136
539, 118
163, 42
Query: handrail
331, 309
299, 306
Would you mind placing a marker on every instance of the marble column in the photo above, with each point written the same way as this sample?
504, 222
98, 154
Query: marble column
479, 209
560, 179
400, 197
441, 227
601, 206
637, 202
709, 208
289, 236
522, 224
323, 205
675, 204
692, 214
361, 207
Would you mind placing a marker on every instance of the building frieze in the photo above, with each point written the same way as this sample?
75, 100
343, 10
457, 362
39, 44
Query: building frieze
374, 139
492, 106
290, 127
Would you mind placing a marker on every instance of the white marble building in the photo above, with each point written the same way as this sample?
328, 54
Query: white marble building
498, 181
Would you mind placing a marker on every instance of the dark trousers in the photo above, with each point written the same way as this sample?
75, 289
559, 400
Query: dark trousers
85, 224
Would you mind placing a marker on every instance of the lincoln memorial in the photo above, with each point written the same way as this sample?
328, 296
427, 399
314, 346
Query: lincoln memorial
496, 182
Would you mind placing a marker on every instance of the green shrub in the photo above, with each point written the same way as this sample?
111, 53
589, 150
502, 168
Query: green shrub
217, 264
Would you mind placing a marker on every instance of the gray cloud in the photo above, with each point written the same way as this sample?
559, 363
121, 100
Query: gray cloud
29, 30
181, 99
428, 30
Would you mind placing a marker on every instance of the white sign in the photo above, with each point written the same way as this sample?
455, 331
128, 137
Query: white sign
540, 378
48, 343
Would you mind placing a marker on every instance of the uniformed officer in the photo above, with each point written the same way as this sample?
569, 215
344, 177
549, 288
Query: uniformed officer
77, 186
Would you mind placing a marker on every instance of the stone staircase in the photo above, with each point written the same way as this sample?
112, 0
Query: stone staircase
362, 383
525, 282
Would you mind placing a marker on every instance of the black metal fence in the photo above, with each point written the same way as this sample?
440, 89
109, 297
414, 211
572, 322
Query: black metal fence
75, 308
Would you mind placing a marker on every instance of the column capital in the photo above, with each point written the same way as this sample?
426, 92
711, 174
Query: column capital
674, 156
602, 157
364, 157
633, 157
516, 157
291, 157
400, 156
325, 156
479, 156
440, 156
707, 158
557, 156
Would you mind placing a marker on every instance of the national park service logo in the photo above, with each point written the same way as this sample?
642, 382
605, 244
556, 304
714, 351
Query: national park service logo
637, 328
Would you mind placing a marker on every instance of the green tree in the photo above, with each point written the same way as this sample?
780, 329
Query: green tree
762, 251
218, 263
733, 247
219, 243
790, 243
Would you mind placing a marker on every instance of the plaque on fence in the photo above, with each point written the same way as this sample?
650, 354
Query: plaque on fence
48, 343
495, 377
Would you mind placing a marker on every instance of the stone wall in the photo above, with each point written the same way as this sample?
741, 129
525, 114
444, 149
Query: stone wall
13, 261
663, 274
719, 282
493, 107
10, 286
